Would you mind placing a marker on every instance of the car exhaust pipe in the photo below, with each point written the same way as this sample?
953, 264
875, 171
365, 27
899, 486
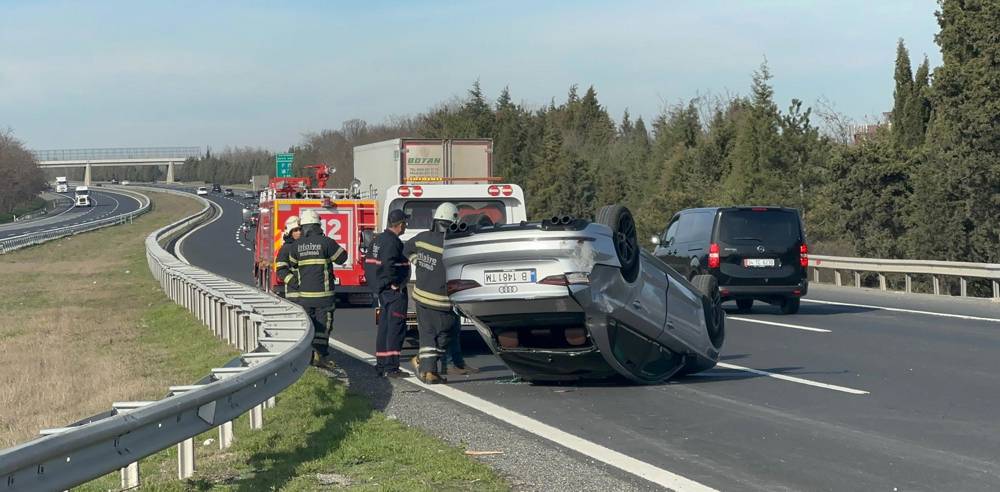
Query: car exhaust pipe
554, 219
565, 219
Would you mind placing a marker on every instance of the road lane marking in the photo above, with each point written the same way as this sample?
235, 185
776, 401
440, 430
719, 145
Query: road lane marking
618, 460
901, 310
792, 379
783, 325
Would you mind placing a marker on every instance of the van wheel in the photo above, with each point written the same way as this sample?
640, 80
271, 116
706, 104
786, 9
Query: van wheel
715, 316
790, 305
624, 236
744, 305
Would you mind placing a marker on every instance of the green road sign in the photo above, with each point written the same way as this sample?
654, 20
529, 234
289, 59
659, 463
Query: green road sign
283, 165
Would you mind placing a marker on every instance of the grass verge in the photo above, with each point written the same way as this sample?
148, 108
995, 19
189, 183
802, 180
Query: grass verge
85, 325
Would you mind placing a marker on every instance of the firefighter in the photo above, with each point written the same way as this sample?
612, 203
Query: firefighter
293, 231
435, 314
311, 259
390, 273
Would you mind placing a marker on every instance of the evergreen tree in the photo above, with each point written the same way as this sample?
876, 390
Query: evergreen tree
902, 95
957, 188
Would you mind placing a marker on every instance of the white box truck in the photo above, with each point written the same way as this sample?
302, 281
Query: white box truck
62, 186
416, 175
82, 196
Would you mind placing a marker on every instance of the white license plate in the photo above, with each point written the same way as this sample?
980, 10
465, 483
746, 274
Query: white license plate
510, 276
758, 262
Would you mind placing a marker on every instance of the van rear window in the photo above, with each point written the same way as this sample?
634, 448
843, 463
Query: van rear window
772, 227
421, 212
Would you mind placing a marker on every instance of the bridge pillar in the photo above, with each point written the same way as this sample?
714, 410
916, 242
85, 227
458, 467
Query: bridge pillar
86, 175
170, 172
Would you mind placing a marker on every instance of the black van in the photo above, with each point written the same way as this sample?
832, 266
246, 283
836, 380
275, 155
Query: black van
756, 253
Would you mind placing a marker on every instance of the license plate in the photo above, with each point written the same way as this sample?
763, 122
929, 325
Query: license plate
758, 262
510, 276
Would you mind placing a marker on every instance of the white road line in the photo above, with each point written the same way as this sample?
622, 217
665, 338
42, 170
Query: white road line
791, 379
901, 310
772, 323
618, 460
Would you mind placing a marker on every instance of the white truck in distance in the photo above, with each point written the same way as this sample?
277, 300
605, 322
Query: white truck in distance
417, 175
62, 186
82, 196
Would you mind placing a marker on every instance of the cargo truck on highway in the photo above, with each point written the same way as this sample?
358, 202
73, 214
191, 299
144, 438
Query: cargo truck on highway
416, 175
82, 194
62, 186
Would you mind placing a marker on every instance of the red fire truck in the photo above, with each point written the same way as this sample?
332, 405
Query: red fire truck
345, 215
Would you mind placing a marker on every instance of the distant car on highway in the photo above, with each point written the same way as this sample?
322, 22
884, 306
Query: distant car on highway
216, 188
249, 195
227, 192
202, 190
568, 299
125, 183
755, 253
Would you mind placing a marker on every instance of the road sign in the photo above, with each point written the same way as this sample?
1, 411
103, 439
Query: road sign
283, 165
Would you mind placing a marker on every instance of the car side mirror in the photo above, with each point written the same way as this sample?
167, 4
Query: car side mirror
655, 240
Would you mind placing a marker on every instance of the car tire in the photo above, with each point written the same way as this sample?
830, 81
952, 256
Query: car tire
715, 316
619, 219
744, 305
790, 305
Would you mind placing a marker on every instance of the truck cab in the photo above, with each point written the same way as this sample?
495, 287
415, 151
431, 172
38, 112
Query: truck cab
62, 186
82, 194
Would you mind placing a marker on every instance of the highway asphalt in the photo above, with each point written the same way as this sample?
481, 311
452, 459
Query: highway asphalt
105, 204
861, 390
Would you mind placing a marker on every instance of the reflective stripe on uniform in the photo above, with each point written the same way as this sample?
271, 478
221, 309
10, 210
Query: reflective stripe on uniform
293, 260
430, 247
316, 294
387, 353
419, 296
321, 261
280, 264
340, 252
288, 278
373, 261
436, 297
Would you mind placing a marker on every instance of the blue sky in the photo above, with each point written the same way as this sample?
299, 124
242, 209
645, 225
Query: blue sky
105, 74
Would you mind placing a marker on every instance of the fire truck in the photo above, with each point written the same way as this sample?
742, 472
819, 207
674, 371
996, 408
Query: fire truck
346, 215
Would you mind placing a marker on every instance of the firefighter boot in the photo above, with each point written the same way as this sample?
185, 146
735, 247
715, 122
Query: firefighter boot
416, 364
432, 378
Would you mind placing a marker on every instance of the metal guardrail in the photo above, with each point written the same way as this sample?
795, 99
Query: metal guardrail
274, 335
936, 269
32, 238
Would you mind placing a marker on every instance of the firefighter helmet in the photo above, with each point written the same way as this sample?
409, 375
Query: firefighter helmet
309, 217
291, 224
447, 211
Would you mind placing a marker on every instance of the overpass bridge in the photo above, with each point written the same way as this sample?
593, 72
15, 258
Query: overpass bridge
108, 157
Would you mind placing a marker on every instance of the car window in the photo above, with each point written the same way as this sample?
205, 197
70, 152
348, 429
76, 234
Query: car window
775, 228
421, 212
695, 226
671, 231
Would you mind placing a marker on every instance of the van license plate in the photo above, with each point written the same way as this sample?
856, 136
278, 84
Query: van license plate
510, 276
758, 262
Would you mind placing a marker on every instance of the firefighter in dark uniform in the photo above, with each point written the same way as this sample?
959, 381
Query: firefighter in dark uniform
310, 272
390, 271
435, 314
293, 231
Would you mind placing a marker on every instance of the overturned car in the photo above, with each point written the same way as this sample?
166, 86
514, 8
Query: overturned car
569, 299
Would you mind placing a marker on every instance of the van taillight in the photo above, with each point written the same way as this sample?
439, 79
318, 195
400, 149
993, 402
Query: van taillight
507, 190
804, 255
713, 256
493, 190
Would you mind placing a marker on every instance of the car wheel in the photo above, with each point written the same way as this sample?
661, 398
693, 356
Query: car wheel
715, 316
624, 236
790, 305
744, 305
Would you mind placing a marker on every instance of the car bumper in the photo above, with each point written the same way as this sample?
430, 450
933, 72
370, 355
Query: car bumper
763, 292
